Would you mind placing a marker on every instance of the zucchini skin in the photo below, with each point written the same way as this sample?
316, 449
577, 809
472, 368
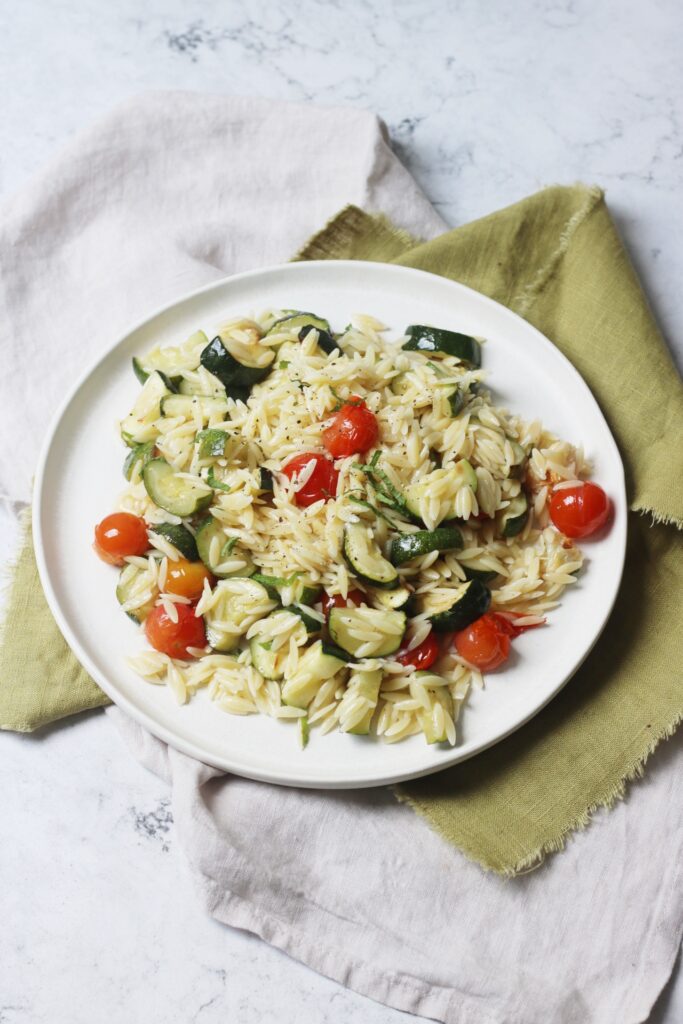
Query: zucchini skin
140, 453
326, 340
474, 603
265, 479
233, 375
485, 575
413, 545
456, 400
180, 538
297, 318
515, 516
352, 560
153, 476
422, 338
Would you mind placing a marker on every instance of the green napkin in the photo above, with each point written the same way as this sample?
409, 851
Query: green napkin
556, 259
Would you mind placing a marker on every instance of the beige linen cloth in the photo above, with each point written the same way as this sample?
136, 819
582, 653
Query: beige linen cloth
173, 191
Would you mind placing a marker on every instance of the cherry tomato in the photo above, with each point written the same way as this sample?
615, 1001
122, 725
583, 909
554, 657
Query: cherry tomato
422, 656
187, 578
579, 511
173, 638
322, 483
353, 430
330, 601
120, 535
483, 643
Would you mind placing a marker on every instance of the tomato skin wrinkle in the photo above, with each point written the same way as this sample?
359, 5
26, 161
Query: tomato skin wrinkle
119, 536
579, 511
330, 601
173, 638
423, 656
322, 483
352, 431
483, 643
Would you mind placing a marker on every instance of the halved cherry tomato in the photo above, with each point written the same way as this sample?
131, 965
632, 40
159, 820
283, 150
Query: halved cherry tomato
173, 638
483, 643
187, 578
120, 535
330, 601
352, 431
423, 656
579, 511
322, 483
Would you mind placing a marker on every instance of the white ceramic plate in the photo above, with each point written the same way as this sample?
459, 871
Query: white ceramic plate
79, 479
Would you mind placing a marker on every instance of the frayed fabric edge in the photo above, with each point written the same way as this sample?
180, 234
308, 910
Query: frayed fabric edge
344, 227
663, 518
554, 844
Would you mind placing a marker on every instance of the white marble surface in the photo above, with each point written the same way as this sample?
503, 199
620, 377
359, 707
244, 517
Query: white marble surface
485, 103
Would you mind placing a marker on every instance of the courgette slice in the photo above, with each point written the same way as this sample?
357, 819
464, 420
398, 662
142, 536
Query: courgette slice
317, 664
364, 557
414, 545
225, 549
187, 405
518, 466
312, 624
460, 474
265, 480
138, 427
180, 537
456, 400
296, 319
364, 684
400, 384
141, 455
132, 581
422, 338
387, 629
172, 359
240, 603
434, 724
270, 663
512, 520
452, 608
175, 494
474, 570
391, 600
235, 375
301, 591
326, 340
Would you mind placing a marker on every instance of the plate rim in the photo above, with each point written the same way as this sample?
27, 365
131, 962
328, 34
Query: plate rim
189, 747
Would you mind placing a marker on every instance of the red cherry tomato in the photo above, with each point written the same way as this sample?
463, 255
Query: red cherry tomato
322, 483
579, 511
120, 535
330, 601
423, 656
173, 638
187, 578
483, 643
353, 430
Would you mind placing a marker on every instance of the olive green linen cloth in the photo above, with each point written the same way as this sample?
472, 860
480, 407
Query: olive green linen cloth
556, 259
